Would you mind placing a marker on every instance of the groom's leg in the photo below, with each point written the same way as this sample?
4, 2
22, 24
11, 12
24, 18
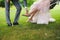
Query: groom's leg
7, 8
18, 7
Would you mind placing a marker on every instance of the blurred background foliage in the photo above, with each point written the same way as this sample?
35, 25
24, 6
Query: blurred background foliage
29, 2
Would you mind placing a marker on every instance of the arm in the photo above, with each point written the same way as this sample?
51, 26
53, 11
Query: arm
25, 3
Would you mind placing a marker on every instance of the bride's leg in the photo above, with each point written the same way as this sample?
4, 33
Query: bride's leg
30, 12
32, 15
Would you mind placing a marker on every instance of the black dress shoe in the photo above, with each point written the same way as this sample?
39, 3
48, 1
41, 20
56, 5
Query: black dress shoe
9, 24
15, 23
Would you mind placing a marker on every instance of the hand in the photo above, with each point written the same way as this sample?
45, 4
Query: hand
26, 10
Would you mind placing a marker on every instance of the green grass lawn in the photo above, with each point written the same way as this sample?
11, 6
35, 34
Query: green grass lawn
29, 31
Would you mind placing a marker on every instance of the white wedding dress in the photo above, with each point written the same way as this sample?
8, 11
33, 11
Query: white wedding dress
43, 15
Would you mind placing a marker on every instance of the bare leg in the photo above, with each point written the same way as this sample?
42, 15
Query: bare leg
32, 14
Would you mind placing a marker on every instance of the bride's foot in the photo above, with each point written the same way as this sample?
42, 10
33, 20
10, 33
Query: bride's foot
27, 15
29, 20
33, 22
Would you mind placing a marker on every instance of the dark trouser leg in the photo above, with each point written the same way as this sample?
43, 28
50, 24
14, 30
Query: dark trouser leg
7, 7
18, 7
